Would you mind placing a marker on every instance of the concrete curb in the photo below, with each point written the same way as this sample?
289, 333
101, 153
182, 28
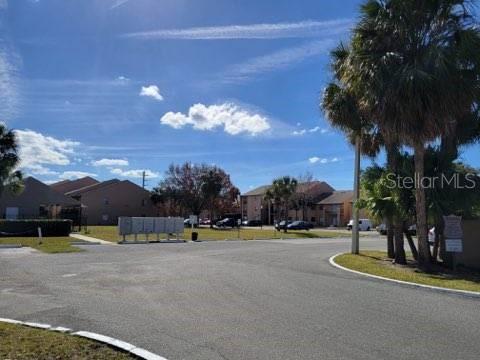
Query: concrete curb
122, 345
473, 294
10, 246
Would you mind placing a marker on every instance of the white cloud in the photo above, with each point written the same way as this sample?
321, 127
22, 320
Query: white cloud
234, 119
316, 159
122, 79
72, 175
312, 130
118, 3
138, 174
9, 61
110, 162
299, 132
278, 60
37, 150
3, 4
151, 91
306, 28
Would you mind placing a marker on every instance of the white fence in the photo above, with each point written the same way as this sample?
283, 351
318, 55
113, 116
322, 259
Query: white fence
150, 226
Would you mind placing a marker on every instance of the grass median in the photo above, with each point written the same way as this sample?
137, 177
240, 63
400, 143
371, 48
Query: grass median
51, 245
377, 263
110, 233
23, 342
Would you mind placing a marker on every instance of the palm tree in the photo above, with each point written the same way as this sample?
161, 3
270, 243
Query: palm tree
280, 192
416, 65
10, 178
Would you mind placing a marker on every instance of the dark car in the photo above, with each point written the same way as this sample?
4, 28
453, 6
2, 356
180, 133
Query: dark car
282, 224
227, 222
300, 225
252, 223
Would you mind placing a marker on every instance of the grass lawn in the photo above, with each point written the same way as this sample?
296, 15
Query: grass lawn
110, 233
377, 263
50, 245
22, 342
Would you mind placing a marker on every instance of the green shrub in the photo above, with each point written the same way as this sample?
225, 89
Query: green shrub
27, 228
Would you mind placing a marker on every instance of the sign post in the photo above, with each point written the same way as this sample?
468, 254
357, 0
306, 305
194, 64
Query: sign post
453, 234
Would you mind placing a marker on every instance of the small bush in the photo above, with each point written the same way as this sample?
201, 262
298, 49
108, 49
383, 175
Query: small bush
26, 228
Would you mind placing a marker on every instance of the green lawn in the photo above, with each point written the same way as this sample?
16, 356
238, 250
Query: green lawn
109, 233
377, 263
50, 245
22, 342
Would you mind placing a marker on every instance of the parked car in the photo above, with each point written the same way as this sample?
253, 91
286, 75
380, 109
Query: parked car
252, 223
187, 223
300, 225
282, 224
205, 222
227, 222
363, 225
382, 229
431, 236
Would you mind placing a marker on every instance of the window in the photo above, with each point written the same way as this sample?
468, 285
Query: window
144, 202
106, 202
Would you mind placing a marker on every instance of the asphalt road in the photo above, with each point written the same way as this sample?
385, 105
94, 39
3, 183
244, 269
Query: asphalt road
238, 300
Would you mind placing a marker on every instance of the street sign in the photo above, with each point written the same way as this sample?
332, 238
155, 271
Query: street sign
453, 233
454, 245
193, 219
453, 227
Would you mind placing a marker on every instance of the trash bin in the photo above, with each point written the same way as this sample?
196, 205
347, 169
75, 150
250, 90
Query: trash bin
194, 236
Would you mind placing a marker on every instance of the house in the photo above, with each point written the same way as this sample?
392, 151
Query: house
37, 200
337, 208
105, 201
308, 194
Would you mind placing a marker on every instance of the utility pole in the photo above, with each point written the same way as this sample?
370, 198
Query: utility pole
356, 197
143, 179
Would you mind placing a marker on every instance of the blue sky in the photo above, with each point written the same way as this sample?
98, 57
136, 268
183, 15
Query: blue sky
114, 87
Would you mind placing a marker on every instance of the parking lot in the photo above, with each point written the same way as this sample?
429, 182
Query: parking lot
238, 300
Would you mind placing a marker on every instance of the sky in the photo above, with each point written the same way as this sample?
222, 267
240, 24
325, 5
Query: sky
112, 88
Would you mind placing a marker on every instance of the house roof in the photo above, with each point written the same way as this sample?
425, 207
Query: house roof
92, 187
310, 186
36, 191
66, 186
261, 190
338, 197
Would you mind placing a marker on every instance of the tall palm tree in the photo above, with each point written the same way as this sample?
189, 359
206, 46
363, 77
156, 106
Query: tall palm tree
416, 63
10, 178
281, 192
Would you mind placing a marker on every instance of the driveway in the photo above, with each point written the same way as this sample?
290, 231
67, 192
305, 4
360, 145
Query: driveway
238, 300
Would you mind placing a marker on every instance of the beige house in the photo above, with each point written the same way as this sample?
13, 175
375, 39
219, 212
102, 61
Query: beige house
105, 201
336, 209
255, 207
37, 200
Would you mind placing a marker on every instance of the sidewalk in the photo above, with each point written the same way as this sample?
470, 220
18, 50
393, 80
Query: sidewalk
92, 239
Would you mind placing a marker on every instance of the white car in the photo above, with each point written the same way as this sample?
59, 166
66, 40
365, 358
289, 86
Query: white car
363, 225
431, 236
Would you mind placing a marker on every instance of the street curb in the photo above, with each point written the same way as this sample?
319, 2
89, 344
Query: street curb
115, 343
473, 294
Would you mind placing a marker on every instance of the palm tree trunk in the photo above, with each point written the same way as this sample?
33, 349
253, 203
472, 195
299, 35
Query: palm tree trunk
399, 244
424, 258
391, 152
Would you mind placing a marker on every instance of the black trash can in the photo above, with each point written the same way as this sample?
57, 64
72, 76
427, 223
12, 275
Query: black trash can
194, 236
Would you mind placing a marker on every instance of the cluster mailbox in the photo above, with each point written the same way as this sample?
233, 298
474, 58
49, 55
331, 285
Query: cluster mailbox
150, 225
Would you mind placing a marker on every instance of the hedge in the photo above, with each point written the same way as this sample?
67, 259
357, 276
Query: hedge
27, 228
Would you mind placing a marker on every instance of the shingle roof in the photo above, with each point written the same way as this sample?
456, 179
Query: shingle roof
261, 190
314, 186
338, 197
92, 187
67, 186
